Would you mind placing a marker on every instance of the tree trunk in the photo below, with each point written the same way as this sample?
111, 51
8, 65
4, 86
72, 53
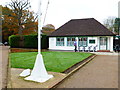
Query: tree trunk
21, 43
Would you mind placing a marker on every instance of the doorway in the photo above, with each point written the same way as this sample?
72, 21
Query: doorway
103, 43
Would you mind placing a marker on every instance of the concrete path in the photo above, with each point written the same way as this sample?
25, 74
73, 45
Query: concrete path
4, 50
101, 72
106, 53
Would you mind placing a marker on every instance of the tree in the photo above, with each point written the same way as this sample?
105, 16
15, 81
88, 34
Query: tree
19, 7
110, 24
117, 25
30, 23
47, 29
9, 26
10, 23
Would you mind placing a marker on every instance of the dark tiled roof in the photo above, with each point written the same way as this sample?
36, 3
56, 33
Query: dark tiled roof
82, 27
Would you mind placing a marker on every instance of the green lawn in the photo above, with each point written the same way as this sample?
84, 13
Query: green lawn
54, 61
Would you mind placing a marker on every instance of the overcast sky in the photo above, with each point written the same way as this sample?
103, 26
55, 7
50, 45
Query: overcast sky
61, 11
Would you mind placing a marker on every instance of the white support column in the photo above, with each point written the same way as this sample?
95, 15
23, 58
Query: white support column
108, 41
65, 41
98, 43
111, 43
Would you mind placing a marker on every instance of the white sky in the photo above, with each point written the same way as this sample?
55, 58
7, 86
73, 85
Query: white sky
61, 11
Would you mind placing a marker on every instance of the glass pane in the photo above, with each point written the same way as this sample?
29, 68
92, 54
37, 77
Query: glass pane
103, 41
62, 39
73, 39
68, 39
58, 39
84, 39
80, 41
68, 43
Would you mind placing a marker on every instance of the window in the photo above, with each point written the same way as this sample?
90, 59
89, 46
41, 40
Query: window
92, 41
82, 41
70, 41
103, 41
60, 41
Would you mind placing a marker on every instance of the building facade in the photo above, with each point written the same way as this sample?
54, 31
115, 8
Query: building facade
87, 34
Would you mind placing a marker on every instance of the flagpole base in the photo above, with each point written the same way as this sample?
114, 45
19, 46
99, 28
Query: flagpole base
39, 73
39, 79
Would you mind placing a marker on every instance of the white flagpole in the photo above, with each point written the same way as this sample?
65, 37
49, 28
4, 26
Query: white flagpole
39, 73
39, 28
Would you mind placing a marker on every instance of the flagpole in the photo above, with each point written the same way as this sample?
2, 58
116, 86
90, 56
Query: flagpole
39, 73
39, 28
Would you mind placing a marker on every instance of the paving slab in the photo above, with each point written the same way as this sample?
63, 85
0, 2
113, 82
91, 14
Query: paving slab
4, 52
19, 82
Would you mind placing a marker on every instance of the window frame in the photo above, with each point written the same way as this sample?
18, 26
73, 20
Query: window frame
60, 42
83, 42
71, 41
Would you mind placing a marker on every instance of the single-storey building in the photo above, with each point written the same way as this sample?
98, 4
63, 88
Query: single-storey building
89, 33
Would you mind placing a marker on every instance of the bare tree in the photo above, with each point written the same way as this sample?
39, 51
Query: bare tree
18, 6
110, 23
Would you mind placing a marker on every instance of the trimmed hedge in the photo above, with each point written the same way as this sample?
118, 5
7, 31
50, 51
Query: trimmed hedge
44, 42
14, 41
29, 41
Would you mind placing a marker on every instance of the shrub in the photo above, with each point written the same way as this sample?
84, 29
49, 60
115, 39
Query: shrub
14, 41
30, 41
44, 42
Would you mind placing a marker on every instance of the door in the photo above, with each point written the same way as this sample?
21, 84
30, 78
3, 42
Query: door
103, 43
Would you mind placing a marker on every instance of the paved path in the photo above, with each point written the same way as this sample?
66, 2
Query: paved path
101, 72
106, 53
4, 50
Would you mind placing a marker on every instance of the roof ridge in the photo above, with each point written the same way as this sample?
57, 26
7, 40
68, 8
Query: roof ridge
83, 19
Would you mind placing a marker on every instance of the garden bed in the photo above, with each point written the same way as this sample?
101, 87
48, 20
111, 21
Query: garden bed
14, 50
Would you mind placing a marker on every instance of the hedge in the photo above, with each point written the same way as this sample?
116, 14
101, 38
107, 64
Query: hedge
13, 41
29, 41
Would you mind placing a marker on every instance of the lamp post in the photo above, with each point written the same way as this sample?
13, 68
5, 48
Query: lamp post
39, 73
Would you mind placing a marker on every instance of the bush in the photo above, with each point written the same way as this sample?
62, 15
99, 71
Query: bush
14, 41
44, 42
30, 41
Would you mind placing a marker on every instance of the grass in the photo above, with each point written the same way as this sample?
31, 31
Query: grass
54, 61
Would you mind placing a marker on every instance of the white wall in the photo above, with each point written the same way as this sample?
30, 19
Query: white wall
52, 44
96, 42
